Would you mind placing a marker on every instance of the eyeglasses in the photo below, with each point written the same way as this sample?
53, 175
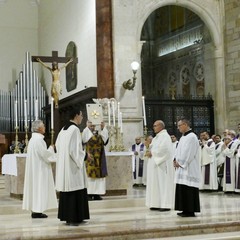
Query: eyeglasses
155, 125
179, 125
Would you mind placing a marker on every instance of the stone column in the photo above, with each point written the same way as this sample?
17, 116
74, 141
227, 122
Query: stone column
105, 81
220, 103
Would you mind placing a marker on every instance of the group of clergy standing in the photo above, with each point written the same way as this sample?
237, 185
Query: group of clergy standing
170, 169
216, 159
80, 170
220, 161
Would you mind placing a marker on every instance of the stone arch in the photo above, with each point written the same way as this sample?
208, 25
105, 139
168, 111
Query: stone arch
209, 12
214, 25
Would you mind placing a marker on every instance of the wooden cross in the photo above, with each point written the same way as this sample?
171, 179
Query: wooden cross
56, 88
54, 58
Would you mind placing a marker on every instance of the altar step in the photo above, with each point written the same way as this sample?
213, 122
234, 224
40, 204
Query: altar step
11, 206
128, 218
119, 217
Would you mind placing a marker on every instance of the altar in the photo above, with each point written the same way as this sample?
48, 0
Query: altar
13, 167
118, 181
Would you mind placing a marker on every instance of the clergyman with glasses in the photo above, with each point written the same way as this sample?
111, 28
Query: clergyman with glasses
187, 174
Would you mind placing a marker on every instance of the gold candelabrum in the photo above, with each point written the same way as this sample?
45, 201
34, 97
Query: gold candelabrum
26, 139
115, 139
52, 136
145, 131
16, 149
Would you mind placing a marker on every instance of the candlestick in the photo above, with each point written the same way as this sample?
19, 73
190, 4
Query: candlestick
26, 139
145, 131
144, 111
109, 114
113, 110
25, 113
16, 117
118, 112
52, 136
52, 113
16, 149
121, 125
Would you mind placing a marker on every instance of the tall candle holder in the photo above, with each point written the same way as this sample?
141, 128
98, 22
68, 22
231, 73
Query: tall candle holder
52, 136
115, 139
111, 131
26, 139
145, 131
16, 149
119, 146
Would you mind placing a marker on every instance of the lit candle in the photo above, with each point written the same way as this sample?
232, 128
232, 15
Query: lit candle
118, 112
25, 112
144, 111
109, 114
113, 110
36, 109
52, 113
121, 125
16, 117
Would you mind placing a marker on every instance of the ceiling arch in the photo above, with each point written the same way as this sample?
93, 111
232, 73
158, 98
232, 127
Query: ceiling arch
204, 10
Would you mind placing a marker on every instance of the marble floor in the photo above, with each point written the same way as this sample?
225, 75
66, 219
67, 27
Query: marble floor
126, 217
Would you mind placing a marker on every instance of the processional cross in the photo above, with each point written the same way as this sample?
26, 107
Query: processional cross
56, 89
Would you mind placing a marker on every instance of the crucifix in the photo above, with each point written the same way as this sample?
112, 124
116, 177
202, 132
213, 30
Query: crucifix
56, 89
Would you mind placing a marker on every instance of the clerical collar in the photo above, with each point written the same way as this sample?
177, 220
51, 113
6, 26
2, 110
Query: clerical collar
70, 123
186, 133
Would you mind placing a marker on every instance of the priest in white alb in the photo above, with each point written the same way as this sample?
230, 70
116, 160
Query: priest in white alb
208, 163
71, 177
160, 171
187, 171
138, 164
229, 154
219, 159
39, 192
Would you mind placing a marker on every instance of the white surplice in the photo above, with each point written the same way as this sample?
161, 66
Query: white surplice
138, 164
70, 168
208, 159
160, 186
237, 187
39, 192
187, 155
229, 152
218, 153
145, 163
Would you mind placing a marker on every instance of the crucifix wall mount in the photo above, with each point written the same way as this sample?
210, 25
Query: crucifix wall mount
56, 89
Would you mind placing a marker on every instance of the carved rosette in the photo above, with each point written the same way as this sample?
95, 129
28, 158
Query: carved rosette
199, 72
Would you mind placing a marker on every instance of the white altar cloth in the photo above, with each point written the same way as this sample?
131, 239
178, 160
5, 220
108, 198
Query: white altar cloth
116, 154
9, 163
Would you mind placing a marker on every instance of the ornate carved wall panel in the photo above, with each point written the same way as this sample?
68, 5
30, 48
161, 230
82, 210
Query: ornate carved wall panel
198, 111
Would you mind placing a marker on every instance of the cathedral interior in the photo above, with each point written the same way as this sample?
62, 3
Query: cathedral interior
188, 54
